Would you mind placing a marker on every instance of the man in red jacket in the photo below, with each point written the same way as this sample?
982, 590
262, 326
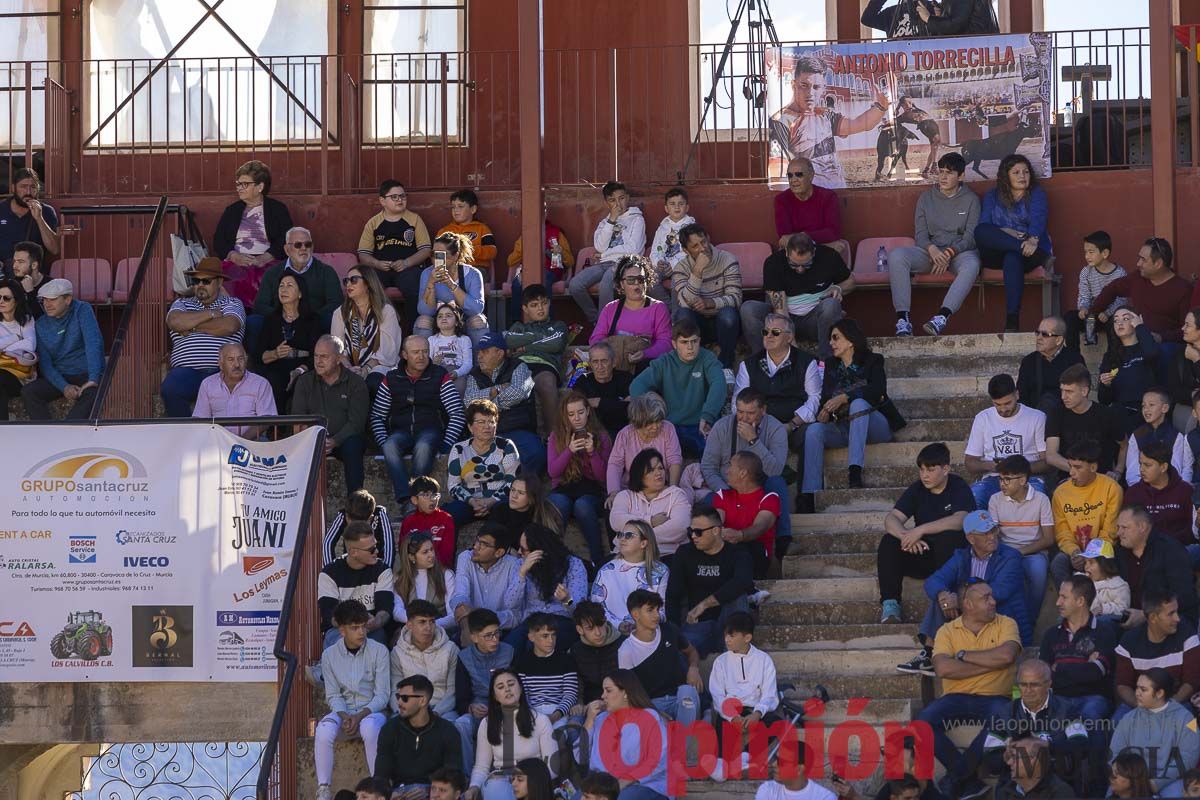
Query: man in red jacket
1162, 297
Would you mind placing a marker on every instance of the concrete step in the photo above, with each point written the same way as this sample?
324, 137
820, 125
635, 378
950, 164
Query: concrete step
898, 454
968, 385
838, 500
829, 565
870, 685
850, 521
881, 477
798, 637
934, 430
938, 407
989, 344
810, 543
839, 588
927, 365
863, 611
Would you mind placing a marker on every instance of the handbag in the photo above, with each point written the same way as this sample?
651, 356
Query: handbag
622, 344
187, 248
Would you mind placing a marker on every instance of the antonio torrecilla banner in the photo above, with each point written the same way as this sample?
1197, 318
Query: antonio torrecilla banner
145, 552
877, 113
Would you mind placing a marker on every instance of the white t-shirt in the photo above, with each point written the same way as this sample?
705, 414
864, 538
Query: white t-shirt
775, 791
634, 651
994, 438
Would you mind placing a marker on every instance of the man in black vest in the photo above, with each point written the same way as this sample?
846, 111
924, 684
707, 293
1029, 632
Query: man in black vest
508, 383
786, 375
417, 410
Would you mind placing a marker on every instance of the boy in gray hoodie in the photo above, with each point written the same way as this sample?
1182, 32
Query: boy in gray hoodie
945, 223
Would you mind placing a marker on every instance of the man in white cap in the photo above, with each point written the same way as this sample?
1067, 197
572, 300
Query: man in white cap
70, 352
200, 326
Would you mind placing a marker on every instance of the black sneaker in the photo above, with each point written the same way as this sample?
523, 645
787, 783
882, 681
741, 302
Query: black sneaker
921, 664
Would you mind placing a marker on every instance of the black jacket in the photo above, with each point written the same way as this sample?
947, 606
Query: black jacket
867, 381
964, 16
1039, 377
276, 218
898, 22
1075, 672
407, 755
1165, 564
593, 663
1183, 378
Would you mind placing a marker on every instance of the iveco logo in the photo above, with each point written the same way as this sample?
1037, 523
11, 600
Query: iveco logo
147, 561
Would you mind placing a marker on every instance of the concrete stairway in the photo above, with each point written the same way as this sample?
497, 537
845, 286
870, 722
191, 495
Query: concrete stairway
821, 623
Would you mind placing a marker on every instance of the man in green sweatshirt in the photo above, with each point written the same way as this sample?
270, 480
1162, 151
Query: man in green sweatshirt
944, 225
692, 382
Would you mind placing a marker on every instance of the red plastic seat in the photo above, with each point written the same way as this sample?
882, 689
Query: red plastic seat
867, 257
750, 256
127, 269
92, 278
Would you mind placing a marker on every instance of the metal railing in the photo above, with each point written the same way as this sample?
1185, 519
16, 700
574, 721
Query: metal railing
438, 120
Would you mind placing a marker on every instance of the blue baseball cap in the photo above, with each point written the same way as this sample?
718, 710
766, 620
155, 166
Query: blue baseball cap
978, 522
492, 339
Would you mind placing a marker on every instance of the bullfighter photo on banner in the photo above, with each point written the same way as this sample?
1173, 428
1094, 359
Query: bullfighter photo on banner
880, 113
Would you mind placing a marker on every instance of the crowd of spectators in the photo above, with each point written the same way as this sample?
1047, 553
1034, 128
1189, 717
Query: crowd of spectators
433, 656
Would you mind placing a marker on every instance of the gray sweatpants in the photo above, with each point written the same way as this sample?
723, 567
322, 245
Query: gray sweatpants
585, 279
904, 262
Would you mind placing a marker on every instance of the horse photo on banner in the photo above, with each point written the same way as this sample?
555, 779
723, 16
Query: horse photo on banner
877, 113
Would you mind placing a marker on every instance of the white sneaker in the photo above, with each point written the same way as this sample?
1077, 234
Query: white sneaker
715, 768
903, 327
759, 597
324, 792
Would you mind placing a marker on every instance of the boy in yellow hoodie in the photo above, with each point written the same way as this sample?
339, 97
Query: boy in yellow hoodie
1085, 508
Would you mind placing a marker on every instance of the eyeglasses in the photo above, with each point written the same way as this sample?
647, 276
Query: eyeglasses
1010, 478
404, 698
429, 495
1047, 334
395, 197
6, 298
373, 549
482, 545
490, 635
797, 174
351, 279
628, 535
696, 532
302, 245
771, 332
205, 281
243, 184
634, 280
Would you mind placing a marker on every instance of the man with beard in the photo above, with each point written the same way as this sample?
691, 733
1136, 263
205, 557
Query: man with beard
24, 218
805, 127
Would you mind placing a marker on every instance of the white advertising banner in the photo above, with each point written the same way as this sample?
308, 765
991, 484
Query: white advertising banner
145, 552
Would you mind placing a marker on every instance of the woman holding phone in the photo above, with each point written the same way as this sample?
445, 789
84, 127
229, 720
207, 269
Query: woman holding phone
578, 462
452, 279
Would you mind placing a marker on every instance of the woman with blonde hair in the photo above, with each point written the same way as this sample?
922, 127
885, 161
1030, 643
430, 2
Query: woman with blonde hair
452, 279
635, 566
578, 450
420, 576
368, 324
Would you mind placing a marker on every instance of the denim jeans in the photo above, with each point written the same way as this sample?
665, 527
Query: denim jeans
988, 485
708, 636
636, 792
588, 511
350, 452
962, 708
856, 433
1088, 706
783, 525
530, 448
724, 328
997, 246
467, 725
180, 387
683, 706
691, 441
423, 446
1035, 566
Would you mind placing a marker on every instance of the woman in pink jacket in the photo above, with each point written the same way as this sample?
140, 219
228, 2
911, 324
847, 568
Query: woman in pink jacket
578, 452
650, 499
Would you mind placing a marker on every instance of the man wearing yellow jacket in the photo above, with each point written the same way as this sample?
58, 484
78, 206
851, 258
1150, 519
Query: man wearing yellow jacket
1085, 508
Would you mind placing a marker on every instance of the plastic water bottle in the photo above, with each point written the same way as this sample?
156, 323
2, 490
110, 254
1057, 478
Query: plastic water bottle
881, 262
1090, 337
556, 263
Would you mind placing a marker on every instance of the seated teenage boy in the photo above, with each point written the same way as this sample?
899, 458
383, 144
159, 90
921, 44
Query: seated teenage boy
655, 652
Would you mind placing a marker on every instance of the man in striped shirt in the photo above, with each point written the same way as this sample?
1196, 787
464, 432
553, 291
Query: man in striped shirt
361, 507
708, 288
547, 674
200, 326
1163, 640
